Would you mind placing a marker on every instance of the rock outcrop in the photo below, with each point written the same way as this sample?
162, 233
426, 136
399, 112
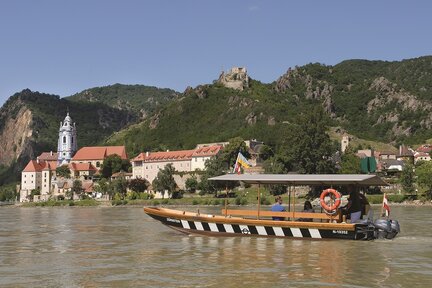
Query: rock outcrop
15, 133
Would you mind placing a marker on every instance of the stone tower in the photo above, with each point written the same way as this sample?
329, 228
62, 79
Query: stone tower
344, 143
67, 142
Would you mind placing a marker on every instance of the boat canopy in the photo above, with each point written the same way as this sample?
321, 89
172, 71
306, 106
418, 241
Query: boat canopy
305, 179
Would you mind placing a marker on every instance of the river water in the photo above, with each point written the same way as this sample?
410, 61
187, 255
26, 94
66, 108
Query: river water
123, 247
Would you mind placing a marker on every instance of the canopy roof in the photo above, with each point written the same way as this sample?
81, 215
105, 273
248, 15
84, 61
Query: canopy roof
305, 179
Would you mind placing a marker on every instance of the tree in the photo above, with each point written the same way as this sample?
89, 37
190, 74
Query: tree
77, 188
407, 178
63, 171
350, 163
266, 152
277, 165
113, 164
215, 166
230, 152
119, 187
311, 151
424, 177
101, 186
164, 180
138, 185
191, 184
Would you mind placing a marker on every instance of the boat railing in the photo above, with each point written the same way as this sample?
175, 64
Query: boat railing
287, 215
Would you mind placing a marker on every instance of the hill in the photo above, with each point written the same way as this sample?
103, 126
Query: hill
377, 101
381, 101
140, 100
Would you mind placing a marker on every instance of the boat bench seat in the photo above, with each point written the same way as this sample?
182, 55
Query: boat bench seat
294, 215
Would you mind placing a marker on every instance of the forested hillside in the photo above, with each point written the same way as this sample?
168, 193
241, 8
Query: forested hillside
383, 101
390, 102
139, 99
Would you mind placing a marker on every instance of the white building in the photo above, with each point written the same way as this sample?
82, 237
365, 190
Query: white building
67, 141
147, 165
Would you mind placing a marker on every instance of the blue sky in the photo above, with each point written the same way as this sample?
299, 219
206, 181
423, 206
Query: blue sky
63, 47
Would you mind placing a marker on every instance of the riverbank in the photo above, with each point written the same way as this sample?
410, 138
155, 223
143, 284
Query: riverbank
184, 202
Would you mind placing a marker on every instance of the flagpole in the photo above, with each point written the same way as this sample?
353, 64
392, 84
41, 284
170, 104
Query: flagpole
382, 205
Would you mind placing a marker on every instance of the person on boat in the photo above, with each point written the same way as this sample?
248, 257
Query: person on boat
364, 204
277, 207
307, 208
354, 206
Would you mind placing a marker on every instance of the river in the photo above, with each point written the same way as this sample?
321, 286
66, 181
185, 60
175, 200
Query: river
123, 247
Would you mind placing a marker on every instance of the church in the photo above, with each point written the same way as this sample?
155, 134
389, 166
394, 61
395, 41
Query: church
40, 174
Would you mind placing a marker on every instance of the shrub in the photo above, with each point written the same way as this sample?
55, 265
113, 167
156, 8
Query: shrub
195, 202
216, 202
156, 202
165, 201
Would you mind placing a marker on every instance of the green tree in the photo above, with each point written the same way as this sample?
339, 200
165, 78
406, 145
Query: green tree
63, 171
350, 163
215, 166
77, 188
164, 180
276, 165
113, 164
138, 185
311, 150
101, 186
407, 178
266, 152
230, 152
118, 187
191, 184
424, 177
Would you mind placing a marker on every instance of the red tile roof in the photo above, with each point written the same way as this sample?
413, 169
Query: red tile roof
207, 151
165, 156
99, 153
180, 155
48, 156
426, 148
38, 166
87, 186
82, 167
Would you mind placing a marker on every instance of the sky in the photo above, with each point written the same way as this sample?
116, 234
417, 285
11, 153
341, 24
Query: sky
63, 47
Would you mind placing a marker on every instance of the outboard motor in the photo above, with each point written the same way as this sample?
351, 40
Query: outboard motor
395, 229
386, 229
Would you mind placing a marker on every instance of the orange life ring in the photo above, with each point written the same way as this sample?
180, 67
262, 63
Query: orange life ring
337, 198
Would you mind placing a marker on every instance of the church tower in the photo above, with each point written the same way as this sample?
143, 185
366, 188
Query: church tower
67, 142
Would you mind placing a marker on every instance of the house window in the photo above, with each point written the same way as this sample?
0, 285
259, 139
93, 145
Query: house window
64, 139
24, 182
32, 176
98, 164
72, 140
196, 159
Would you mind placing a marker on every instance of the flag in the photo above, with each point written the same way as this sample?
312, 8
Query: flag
241, 162
386, 206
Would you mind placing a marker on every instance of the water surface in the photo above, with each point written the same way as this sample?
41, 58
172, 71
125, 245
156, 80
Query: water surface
122, 247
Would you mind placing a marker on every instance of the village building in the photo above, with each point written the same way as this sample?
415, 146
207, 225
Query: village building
40, 174
147, 165
67, 141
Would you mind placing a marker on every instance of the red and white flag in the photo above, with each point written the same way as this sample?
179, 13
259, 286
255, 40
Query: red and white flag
386, 206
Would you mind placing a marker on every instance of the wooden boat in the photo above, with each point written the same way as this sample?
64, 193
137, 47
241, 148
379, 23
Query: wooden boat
236, 222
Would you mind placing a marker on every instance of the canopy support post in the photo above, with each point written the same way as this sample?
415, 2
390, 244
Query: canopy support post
259, 201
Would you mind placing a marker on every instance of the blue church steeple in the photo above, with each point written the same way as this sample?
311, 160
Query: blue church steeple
67, 142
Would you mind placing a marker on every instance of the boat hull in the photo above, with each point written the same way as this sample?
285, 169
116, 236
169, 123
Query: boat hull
207, 224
